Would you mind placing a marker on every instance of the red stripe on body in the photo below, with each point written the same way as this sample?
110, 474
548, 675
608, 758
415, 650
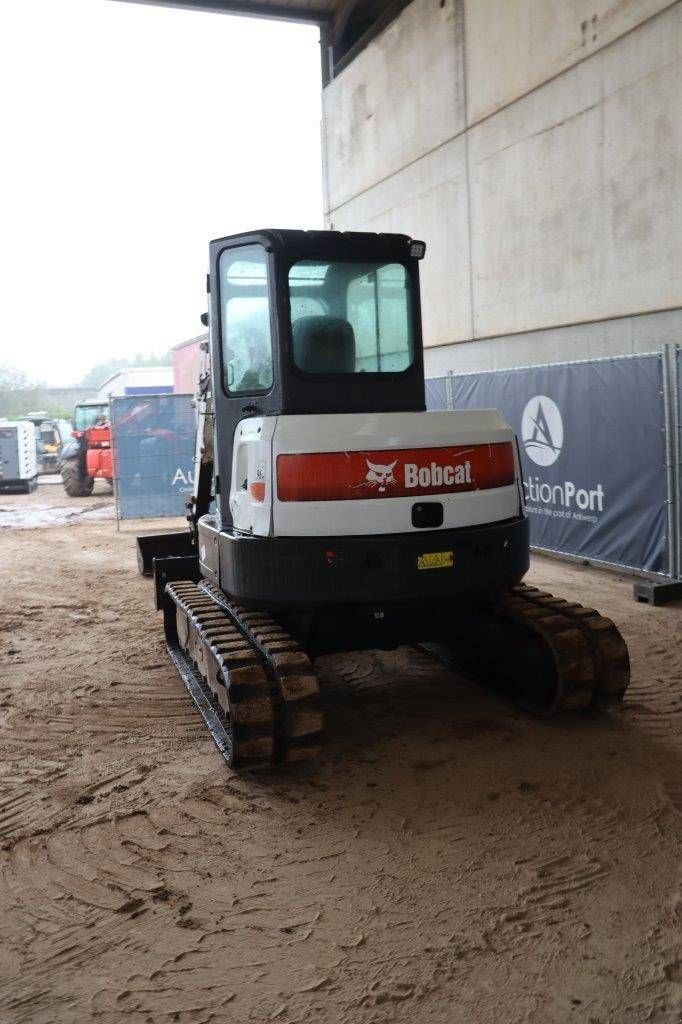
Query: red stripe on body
397, 473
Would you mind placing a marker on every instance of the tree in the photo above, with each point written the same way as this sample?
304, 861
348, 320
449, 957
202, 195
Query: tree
20, 395
12, 379
100, 372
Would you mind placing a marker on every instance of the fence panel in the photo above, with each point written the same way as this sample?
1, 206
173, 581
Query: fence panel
153, 442
593, 452
436, 393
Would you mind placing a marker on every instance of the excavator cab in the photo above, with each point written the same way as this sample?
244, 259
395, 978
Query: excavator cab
300, 322
332, 512
305, 322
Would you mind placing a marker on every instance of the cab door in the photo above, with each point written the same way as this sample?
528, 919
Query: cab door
243, 357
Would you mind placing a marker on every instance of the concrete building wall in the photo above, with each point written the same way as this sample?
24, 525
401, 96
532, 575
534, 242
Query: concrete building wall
402, 97
514, 46
537, 148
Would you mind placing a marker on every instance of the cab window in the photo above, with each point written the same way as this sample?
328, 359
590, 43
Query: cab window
351, 317
88, 415
245, 320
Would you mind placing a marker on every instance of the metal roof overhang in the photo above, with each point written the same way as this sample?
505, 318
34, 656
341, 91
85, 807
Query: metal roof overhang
312, 12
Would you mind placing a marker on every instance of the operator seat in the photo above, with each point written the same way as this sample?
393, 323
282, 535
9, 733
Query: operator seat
324, 344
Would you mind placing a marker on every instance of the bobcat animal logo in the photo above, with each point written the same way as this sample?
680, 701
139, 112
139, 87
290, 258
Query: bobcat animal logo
380, 475
542, 430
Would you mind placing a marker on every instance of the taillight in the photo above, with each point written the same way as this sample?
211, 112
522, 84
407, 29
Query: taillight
342, 476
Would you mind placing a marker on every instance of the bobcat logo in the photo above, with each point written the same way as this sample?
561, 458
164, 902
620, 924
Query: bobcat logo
380, 475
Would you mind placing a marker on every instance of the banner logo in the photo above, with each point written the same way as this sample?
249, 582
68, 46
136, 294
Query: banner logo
542, 430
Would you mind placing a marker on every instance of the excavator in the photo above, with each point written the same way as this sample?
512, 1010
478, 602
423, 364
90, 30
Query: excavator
331, 512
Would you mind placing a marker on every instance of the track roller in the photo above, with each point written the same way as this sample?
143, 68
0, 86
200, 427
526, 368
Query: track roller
223, 673
295, 691
609, 650
548, 662
547, 654
255, 688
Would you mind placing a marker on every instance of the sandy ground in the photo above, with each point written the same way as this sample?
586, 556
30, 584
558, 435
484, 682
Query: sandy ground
448, 859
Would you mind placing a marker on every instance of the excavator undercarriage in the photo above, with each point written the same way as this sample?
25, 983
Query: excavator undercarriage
258, 693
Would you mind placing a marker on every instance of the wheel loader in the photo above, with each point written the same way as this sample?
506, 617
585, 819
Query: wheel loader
331, 512
87, 457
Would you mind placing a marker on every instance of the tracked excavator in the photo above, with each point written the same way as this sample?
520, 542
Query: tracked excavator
331, 512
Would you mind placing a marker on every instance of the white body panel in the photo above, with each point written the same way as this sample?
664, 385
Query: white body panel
252, 465
18, 460
28, 459
259, 441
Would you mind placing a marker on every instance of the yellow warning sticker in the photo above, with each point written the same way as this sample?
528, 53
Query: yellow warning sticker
435, 560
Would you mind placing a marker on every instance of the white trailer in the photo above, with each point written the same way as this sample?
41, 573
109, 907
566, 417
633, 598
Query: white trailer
18, 463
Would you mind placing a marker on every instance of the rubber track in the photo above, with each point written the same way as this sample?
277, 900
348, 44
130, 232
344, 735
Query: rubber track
215, 657
590, 657
574, 664
295, 691
609, 650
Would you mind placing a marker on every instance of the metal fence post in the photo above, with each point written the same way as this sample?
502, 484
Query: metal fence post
676, 404
672, 457
449, 400
112, 433
647, 591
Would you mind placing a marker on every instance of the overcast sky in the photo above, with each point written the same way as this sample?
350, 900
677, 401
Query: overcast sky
131, 136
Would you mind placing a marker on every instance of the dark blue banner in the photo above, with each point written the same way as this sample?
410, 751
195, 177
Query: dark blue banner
153, 439
592, 443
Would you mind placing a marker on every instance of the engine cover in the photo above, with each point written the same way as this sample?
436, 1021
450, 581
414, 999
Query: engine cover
364, 474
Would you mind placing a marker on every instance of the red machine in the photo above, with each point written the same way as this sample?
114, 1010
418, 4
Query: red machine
88, 456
